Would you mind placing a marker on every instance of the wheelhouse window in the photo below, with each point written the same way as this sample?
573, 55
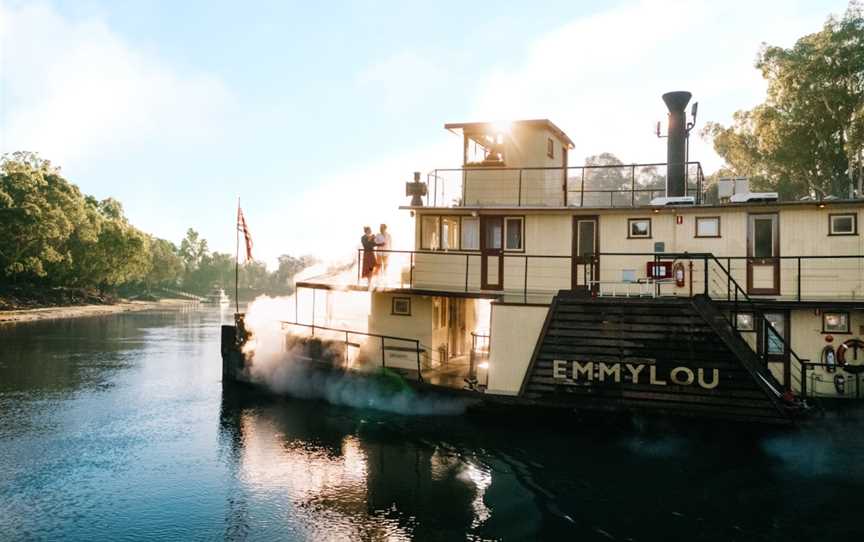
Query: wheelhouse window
550, 147
707, 226
513, 229
449, 233
638, 228
429, 232
439, 233
843, 224
835, 322
470, 233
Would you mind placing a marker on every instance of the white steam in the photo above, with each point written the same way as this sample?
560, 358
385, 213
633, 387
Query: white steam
279, 357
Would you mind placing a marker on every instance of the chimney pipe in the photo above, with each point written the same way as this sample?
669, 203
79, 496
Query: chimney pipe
676, 143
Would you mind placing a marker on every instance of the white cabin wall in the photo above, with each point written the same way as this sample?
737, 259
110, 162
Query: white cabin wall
515, 330
416, 326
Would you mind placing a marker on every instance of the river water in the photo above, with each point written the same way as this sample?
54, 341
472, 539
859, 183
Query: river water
118, 428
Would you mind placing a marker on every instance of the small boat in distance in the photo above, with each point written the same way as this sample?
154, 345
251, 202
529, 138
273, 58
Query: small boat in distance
217, 296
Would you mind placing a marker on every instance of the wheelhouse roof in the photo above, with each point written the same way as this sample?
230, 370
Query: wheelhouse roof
479, 127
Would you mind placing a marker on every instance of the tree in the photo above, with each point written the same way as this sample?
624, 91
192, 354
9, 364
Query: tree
39, 211
166, 266
193, 249
806, 139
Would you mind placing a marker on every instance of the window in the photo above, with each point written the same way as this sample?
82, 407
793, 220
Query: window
401, 306
429, 226
450, 233
707, 226
775, 333
639, 228
470, 233
550, 148
439, 233
835, 322
744, 321
513, 233
845, 224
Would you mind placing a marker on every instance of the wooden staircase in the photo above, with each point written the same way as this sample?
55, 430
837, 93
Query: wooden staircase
687, 339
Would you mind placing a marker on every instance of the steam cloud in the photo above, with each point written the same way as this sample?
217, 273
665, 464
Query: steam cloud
287, 370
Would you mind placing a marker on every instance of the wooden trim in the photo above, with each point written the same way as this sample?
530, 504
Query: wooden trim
491, 253
854, 224
504, 233
393, 306
696, 227
650, 228
763, 339
575, 260
848, 323
775, 259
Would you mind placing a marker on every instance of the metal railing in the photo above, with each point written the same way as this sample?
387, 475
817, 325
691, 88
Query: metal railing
347, 342
524, 274
581, 186
741, 302
809, 389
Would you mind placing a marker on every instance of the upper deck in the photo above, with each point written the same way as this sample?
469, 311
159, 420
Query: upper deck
526, 164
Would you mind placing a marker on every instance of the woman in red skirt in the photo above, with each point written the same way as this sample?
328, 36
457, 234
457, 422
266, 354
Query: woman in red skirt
369, 261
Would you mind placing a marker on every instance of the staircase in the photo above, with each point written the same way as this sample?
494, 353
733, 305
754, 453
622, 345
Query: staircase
664, 355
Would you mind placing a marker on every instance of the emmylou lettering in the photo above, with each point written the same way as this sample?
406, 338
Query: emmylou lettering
604, 371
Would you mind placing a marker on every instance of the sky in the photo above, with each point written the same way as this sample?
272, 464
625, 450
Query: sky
315, 114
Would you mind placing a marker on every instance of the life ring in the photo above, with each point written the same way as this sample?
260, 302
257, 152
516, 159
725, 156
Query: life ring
857, 347
829, 358
678, 274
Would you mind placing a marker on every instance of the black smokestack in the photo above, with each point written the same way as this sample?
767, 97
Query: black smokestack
677, 135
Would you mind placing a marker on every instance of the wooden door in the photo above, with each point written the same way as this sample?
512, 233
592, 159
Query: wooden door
763, 251
586, 247
492, 252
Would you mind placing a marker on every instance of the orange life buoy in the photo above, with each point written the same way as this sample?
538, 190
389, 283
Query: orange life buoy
857, 347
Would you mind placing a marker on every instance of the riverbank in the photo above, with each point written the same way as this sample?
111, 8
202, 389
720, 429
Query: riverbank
79, 311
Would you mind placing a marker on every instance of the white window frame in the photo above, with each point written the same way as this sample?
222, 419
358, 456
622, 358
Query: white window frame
630, 221
521, 220
832, 217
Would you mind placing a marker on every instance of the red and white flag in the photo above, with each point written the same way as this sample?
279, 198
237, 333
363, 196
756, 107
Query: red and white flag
244, 229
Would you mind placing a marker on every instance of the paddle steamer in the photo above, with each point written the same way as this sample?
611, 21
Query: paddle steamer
631, 288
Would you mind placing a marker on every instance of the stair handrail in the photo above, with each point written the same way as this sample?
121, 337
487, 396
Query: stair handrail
766, 324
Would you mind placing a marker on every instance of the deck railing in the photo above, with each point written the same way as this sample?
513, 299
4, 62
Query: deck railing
628, 185
336, 335
801, 278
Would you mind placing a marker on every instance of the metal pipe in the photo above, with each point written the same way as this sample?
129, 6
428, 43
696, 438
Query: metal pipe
676, 184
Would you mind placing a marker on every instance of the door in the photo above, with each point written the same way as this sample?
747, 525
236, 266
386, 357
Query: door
586, 262
456, 327
763, 251
491, 252
774, 340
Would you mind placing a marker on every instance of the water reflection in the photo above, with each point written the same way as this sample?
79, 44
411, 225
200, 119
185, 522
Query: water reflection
119, 427
351, 477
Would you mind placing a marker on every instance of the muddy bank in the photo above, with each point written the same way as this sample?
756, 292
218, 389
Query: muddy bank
78, 311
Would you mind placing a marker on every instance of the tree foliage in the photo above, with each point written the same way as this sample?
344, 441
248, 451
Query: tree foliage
808, 135
53, 235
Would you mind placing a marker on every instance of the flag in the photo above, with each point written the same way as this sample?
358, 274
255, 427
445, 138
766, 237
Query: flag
244, 229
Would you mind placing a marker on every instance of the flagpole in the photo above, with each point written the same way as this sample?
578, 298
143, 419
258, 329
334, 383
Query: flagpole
237, 259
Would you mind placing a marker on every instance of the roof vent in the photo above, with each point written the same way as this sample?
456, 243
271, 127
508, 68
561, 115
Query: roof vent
673, 201
750, 197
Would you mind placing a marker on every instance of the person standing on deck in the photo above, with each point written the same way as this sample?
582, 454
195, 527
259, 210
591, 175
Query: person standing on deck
383, 241
369, 264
